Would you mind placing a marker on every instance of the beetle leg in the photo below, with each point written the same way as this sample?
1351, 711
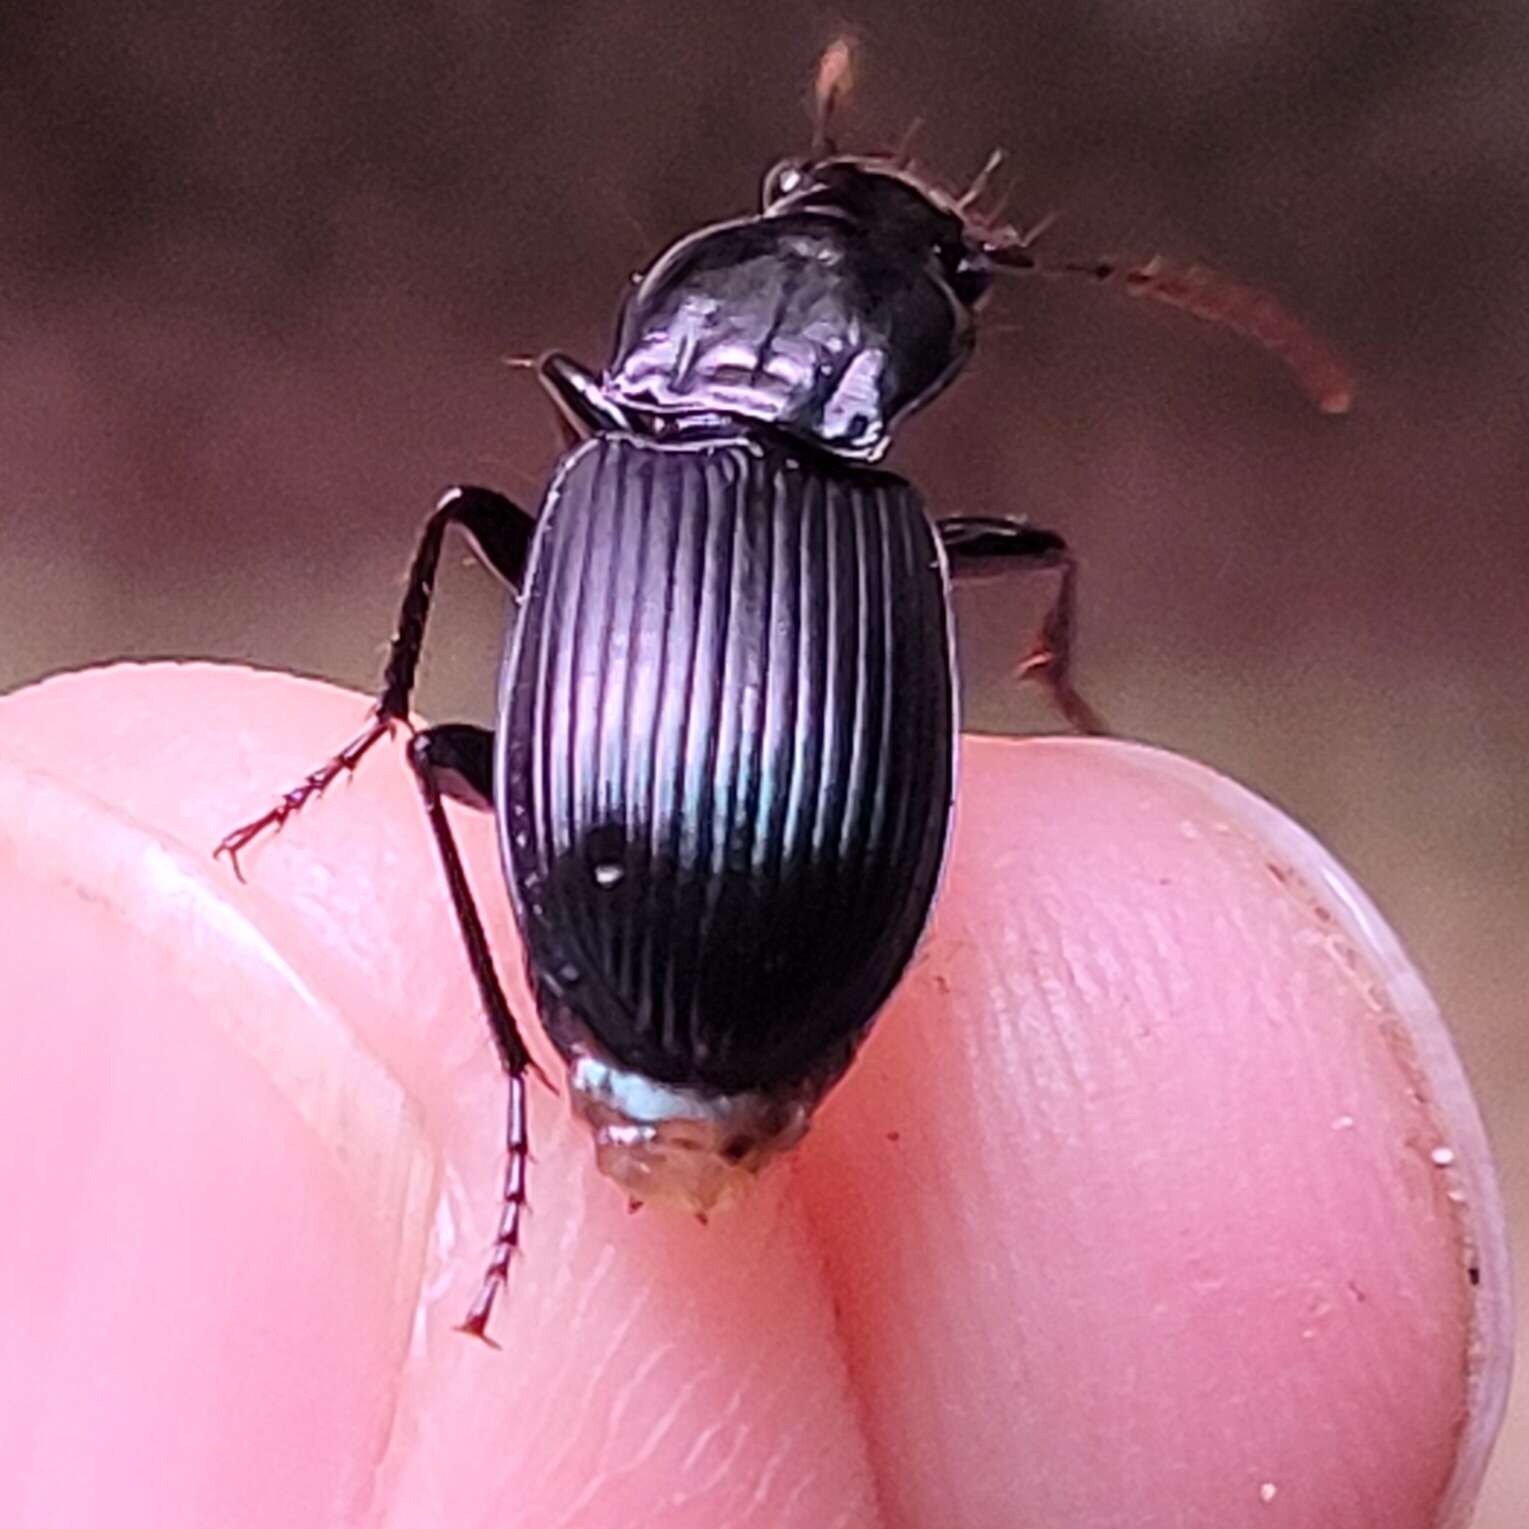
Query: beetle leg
445, 760
461, 758
501, 535
979, 545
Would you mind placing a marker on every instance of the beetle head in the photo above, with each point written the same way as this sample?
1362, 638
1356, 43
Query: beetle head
842, 308
893, 208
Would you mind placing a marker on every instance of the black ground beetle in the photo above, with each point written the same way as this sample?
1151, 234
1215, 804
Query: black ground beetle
724, 757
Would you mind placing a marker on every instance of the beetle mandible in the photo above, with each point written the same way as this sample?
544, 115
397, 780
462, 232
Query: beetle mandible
725, 745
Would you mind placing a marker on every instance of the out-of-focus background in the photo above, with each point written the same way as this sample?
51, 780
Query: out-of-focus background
259, 266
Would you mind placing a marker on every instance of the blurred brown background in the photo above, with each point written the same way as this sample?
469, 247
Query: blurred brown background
258, 267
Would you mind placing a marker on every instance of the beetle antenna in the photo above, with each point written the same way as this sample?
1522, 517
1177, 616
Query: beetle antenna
1039, 227
903, 153
992, 216
1208, 294
833, 81
980, 180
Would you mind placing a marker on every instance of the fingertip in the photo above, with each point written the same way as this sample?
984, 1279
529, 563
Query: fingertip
214, 1198
643, 1361
1136, 1182
1178, 1209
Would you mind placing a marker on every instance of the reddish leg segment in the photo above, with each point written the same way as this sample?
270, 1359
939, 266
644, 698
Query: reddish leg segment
981, 546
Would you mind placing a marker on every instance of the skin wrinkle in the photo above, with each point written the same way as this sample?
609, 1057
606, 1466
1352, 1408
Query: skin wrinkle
1041, 941
766, 1477
661, 1426
608, 1349
676, 1403
864, 1389
632, 1381
806, 1479
714, 1429
785, 1436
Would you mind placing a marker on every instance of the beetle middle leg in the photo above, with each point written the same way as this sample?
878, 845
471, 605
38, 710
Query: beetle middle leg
983, 545
456, 760
501, 534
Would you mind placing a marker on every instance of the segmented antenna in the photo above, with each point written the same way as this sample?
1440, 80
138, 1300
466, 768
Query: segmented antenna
833, 82
980, 181
902, 155
1211, 295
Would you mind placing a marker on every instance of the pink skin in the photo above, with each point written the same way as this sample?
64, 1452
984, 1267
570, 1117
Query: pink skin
1150, 1202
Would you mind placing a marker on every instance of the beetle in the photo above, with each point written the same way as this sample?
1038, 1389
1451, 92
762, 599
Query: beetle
725, 749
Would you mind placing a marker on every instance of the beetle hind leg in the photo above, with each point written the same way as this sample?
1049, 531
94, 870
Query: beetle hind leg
455, 761
981, 545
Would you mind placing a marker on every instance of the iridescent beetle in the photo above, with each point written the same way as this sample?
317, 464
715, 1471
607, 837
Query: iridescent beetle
724, 758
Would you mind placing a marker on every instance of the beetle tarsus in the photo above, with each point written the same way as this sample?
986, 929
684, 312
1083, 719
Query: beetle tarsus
313, 785
513, 1055
512, 1212
473, 1327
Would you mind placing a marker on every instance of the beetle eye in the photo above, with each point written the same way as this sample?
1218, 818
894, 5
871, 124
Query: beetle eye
783, 179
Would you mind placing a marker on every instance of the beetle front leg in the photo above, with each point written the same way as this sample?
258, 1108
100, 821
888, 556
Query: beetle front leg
501, 535
983, 545
456, 760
